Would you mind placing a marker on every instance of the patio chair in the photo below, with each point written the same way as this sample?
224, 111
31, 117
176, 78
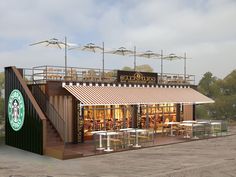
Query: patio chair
166, 131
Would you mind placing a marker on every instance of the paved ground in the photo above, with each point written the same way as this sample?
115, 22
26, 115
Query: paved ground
204, 158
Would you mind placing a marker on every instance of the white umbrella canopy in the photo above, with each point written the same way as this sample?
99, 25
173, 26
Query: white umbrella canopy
54, 43
121, 51
90, 47
172, 57
124, 52
149, 54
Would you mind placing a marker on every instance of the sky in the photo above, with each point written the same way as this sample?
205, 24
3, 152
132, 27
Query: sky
204, 29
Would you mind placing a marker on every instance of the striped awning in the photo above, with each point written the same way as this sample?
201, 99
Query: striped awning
109, 95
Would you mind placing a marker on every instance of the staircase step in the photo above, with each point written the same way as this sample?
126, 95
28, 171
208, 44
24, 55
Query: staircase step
60, 153
54, 143
68, 154
56, 152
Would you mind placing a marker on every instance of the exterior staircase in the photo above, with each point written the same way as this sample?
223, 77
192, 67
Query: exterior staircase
55, 128
55, 146
53, 138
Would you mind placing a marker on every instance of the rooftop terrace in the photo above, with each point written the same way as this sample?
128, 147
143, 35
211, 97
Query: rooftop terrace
42, 74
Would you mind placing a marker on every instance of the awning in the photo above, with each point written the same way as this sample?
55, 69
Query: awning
109, 95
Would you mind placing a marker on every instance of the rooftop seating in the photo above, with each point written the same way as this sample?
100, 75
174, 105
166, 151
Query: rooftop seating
44, 73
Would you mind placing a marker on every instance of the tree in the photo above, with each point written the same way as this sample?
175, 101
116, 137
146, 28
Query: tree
144, 68
1, 96
208, 86
224, 94
140, 68
1, 83
229, 84
127, 68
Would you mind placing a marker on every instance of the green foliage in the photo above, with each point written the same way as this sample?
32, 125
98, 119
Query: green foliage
224, 94
208, 86
1, 96
127, 68
140, 68
1, 110
1, 83
144, 68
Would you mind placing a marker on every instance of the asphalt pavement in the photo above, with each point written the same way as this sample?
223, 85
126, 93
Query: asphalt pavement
202, 158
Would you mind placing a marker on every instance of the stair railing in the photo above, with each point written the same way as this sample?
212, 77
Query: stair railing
52, 114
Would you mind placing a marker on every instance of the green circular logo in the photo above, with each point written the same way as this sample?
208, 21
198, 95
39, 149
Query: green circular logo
16, 110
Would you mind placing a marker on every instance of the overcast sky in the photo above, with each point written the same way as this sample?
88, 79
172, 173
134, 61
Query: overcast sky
204, 29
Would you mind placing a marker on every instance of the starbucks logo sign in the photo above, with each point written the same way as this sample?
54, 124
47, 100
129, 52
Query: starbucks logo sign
16, 110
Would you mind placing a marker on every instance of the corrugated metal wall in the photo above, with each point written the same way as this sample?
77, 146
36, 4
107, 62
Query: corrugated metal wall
30, 136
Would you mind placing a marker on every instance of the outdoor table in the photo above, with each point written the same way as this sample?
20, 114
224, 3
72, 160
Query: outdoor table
187, 125
100, 138
171, 126
215, 123
136, 131
202, 122
189, 121
108, 134
128, 131
196, 125
214, 133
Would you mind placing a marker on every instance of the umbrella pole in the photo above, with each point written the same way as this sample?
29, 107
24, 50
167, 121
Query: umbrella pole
65, 56
134, 58
102, 60
185, 67
161, 65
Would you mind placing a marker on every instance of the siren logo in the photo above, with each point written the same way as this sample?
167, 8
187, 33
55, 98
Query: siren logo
16, 110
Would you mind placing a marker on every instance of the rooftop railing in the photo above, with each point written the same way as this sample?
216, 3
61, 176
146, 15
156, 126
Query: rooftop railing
56, 73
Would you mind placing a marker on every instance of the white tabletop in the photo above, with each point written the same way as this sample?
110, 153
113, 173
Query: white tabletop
172, 123
109, 133
98, 132
187, 124
197, 124
203, 122
137, 130
215, 123
189, 121
126, 129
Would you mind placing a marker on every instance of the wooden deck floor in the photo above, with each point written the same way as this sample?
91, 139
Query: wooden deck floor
88, 148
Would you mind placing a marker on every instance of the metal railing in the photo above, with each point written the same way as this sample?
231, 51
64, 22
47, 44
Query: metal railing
73, 74
51, 113
57, 73
180, 79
